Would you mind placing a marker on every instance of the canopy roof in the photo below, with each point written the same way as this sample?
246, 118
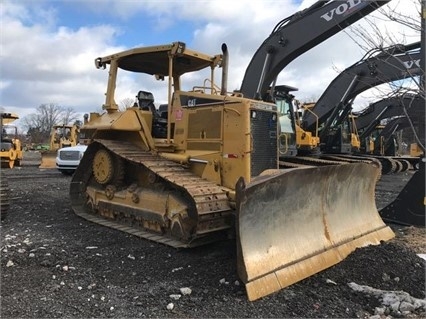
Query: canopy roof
155, 59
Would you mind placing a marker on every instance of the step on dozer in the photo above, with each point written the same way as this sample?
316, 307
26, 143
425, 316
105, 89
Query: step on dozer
296, 223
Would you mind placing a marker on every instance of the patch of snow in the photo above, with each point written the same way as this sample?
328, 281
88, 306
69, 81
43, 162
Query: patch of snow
422, 256
185, 291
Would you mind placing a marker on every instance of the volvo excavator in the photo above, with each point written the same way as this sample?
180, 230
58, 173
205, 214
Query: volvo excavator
333, 108
394, 107
408, 208
335, 104
331, 115
207, 169
386, 140
315, 134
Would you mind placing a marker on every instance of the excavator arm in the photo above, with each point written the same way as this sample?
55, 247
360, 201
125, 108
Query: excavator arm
395, 63
368, 119
297, 34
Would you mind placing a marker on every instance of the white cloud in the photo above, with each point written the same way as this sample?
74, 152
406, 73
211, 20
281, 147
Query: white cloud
44, 61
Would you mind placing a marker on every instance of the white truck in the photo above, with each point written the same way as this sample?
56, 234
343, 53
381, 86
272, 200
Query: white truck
68, 158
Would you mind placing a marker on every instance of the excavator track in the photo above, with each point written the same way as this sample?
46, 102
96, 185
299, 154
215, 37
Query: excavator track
413, 161
214, 214
303, 161
387, 165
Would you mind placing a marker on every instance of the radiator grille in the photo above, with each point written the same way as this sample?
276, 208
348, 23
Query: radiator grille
264, 133
69, 155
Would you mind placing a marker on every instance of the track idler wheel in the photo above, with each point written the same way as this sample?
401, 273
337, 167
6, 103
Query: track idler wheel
107, 167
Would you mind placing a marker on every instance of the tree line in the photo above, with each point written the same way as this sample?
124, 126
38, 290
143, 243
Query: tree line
39, 124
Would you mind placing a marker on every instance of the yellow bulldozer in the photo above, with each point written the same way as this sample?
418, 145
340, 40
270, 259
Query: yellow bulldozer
207, 170
60, 136
11, 153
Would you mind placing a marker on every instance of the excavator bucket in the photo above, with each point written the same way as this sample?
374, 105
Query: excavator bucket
408, 208
294, 223
48, 159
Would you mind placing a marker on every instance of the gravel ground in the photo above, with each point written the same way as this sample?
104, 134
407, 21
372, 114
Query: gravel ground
56, 265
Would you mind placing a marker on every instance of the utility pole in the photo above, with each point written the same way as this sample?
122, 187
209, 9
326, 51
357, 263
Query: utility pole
423, 65
423, 47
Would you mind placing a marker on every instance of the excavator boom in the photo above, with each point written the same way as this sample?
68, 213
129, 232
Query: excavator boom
385, 66
370, 117
297, 34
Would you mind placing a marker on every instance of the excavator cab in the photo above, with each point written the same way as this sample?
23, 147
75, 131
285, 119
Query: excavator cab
287, 119
293, 140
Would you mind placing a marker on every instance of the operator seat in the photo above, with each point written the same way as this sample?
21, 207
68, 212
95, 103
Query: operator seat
146, 103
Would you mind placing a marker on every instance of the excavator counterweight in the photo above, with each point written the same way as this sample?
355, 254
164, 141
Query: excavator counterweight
409, 207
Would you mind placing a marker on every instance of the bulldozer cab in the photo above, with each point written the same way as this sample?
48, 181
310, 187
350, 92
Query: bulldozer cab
146, 101
63, 136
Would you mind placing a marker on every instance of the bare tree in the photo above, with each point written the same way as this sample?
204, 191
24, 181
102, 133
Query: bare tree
371, 37
46, 116
374, 36
126, 103
69, 116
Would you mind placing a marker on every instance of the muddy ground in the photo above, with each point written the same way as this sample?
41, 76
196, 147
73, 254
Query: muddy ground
56, 265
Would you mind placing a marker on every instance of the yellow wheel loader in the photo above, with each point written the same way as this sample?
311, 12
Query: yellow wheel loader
11, 153
207, 170
60, 136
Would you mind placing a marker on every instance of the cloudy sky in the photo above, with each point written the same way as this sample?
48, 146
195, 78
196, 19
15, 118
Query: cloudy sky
48, 47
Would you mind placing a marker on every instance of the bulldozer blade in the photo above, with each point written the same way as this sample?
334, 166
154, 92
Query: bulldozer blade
298, 222
48, 159
408, 208
7, 163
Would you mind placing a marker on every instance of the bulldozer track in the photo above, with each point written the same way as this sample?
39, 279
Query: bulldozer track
210, 200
